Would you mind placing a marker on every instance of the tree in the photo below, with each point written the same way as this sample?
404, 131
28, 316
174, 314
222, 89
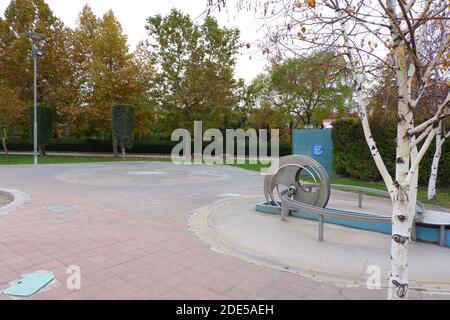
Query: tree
371, 35
45, 119
311, 85
105, 70
55, 85
123, 119
11, 109
195, 71
441, 137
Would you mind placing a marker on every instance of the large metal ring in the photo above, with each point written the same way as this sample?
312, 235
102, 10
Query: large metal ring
288, 174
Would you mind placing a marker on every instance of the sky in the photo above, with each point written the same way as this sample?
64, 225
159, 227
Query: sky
132, 14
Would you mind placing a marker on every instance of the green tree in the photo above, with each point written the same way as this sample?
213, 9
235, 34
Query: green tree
195, 71
310, 88
123, 119
45, 119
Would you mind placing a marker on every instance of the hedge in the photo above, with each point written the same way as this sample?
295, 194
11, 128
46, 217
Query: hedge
105, 146
351, 156
45, 118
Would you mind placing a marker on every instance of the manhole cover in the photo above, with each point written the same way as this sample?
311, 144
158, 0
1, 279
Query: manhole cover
60, 207
29, 284
147, 173
231, 195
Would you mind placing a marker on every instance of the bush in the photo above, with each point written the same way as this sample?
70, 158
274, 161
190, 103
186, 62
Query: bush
147, 146
45, 117
351, 156
123, 118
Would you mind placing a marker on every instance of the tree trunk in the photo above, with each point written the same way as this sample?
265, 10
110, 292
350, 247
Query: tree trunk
115, 148
402, 216
42, 151
5, 147
435, 164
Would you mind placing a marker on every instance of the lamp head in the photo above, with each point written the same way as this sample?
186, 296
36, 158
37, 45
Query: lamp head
36, 36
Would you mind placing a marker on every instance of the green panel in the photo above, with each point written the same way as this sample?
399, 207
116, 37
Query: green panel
314, 143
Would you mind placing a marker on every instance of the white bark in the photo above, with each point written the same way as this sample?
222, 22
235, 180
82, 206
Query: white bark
403, 210
435, 165
403, 189
362, 98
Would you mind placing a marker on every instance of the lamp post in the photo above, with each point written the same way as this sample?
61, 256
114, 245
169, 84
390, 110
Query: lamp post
37, 52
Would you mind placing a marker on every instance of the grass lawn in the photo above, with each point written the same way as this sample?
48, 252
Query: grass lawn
442, 199
28, 159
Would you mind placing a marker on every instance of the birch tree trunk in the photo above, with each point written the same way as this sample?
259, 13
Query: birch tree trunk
403, 212
435, 164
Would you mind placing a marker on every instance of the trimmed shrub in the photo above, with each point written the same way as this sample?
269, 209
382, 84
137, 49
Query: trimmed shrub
123, 119
45, 118
352, 158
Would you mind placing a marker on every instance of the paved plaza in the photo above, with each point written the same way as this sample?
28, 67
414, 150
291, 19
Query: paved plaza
128, 227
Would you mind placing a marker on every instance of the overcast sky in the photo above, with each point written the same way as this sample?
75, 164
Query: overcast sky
132, 15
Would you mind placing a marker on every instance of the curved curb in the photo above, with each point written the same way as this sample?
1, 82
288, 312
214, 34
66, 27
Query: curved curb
199, 224
20, 198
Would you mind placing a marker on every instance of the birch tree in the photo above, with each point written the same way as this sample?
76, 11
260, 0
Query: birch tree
371, 35
441, 136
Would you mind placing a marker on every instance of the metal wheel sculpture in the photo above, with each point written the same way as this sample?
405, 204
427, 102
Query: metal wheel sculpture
290, 178
302, 184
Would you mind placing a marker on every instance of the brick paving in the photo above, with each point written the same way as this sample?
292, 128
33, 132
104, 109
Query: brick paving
134, 242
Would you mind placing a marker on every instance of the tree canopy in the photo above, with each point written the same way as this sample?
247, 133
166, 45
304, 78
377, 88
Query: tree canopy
195, 63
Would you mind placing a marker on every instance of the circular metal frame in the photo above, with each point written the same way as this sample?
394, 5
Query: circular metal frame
282, 176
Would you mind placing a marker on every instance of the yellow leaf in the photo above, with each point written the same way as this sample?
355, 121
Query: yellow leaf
311, 3
298, 4
303, 29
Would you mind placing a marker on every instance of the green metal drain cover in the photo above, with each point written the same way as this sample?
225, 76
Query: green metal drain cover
29, 284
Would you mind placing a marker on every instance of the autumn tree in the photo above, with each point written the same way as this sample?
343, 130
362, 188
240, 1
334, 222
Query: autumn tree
105, 71
195, 65
55, 82
371, 35
11, 110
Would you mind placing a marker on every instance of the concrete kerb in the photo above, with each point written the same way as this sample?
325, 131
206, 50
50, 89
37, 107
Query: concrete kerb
20, 198
199, 224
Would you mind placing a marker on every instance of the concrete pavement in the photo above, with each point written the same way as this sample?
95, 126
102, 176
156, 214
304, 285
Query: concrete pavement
126, 226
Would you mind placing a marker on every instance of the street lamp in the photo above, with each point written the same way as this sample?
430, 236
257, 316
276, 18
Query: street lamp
37, 52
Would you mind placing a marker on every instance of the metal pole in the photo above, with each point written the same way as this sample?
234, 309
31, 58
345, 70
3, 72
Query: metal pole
321, 218
360, 199
442, 235
35, 109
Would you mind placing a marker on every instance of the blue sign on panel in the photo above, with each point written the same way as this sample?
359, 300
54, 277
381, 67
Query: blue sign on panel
318, 150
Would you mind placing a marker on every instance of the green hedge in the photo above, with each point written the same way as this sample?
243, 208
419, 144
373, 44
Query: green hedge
45, 119
351, 156
105, 146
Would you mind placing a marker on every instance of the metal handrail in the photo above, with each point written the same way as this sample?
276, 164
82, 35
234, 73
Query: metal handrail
288, 203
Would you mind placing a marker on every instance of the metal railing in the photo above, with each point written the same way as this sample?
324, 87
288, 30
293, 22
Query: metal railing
288, 203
